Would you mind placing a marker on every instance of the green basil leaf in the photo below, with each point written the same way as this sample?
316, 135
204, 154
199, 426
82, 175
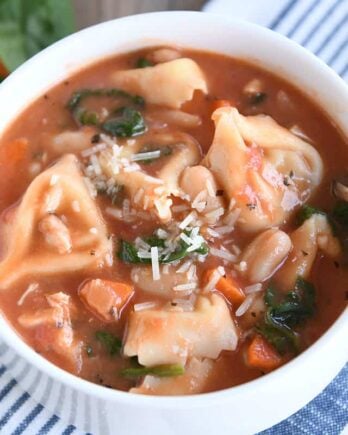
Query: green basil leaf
27, 27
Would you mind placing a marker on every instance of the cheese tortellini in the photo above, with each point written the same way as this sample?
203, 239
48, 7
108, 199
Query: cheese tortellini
266, 170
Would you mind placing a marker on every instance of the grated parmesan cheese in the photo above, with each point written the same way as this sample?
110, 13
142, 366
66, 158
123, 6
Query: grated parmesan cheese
223, 253
254, 288
155, 263
185, 287
246, 304
31, 288
188, 219
145, 306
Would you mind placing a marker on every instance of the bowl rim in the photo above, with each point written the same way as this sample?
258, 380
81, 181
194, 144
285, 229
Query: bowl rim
14, 340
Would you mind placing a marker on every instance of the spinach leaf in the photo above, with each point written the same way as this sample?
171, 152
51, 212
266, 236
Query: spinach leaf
295, 307
155, 241
276, 338
79, 96
128, 252
27, 27
161, 371
142, 62
284, 312
306, 212
128, 122
340, 213
112, 344
181, 252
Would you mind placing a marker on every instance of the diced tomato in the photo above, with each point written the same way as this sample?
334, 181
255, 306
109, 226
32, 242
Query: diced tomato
106, 298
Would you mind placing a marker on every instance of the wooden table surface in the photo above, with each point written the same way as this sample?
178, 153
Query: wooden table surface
89, 12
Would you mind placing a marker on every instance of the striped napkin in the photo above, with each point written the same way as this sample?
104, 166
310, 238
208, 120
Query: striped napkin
322, 27
319, 25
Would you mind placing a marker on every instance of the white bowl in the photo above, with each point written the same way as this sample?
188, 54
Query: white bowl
244, 409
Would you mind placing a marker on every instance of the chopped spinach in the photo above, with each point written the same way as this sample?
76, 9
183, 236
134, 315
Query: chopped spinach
112, 344
295, 307
154, 240
127, 122
181, 252
306, 212
340, 213
142, 62
339, 223
78, 96
128, 252
87, 117
165, 370
284, 312
124, 122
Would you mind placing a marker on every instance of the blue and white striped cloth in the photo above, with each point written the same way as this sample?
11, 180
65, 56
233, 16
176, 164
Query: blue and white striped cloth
322, 27
319, 25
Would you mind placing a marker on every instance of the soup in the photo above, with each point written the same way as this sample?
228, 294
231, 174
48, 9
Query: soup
173, 222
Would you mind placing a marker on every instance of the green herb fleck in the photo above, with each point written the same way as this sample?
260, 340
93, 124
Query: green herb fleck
128, 252
112, 344
340, 213
306, 212
142, 62
162, 371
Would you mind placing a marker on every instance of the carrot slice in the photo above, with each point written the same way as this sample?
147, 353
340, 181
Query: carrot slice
220, 103
106, 298
262, 355
227, 286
